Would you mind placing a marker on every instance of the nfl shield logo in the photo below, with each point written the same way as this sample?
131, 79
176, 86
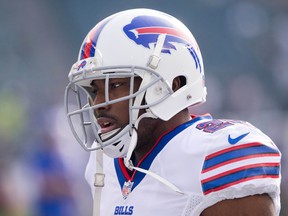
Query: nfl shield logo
127, 187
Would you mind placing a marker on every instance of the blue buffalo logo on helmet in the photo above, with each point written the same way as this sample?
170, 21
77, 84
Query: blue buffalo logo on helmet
81, 65
144, 30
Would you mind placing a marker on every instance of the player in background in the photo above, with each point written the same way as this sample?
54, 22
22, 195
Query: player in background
127, 102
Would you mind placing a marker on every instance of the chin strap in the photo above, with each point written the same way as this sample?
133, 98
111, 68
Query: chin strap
99, 183
134, 137
159, 178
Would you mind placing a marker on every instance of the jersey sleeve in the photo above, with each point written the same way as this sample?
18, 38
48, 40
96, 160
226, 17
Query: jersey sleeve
240, 161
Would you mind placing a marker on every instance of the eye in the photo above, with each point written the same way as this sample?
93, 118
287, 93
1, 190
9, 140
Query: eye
93, 92
115, 85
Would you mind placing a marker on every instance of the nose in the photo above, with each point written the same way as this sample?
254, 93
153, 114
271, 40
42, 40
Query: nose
100, 100
98, 86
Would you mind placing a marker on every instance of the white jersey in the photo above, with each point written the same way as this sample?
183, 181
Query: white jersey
209, 160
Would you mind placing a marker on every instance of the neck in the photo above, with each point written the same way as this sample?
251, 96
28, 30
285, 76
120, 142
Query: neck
150, 130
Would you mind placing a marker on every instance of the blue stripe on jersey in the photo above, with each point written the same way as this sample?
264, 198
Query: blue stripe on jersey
240, 175
237, 152
146, 163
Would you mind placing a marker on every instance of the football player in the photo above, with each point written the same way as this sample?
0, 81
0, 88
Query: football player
127, 102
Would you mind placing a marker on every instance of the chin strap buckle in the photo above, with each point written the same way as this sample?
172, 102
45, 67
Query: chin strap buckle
99, 180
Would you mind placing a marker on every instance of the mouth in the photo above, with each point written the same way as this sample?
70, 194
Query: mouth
106, 124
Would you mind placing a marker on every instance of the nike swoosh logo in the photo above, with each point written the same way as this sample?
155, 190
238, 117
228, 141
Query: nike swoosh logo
235, 140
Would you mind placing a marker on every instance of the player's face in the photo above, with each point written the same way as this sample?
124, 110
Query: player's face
115, 115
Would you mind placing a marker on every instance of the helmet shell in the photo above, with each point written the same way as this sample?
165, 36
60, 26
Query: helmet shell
130, 37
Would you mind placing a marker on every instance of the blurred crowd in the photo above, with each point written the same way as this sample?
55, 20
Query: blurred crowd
245, 50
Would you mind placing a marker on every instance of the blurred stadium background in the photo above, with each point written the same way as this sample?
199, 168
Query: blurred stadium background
245, 49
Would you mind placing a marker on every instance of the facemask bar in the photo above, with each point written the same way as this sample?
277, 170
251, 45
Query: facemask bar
85, 112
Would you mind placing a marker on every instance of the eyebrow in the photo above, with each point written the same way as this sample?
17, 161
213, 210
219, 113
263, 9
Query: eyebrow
92, 83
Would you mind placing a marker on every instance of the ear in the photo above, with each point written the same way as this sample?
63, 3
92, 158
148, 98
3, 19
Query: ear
178, 82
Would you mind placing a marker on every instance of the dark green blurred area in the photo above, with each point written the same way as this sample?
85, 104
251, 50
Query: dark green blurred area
245, 50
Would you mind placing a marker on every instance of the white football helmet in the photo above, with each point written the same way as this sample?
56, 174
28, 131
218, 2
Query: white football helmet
141, 43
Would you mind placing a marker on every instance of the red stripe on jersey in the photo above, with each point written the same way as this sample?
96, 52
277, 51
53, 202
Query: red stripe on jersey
124, 169
239, 169
232, 149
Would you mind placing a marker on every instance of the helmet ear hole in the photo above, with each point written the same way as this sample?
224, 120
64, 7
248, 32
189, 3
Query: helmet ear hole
178, 82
